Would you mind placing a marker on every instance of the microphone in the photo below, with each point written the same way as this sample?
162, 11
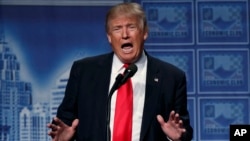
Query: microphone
119, 80
129, 72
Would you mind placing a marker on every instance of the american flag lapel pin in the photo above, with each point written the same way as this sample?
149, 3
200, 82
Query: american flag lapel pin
156, 79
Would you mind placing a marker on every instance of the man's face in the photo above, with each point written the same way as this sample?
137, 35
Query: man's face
126, 38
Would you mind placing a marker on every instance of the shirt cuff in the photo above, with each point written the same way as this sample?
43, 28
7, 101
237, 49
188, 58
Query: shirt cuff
169, 139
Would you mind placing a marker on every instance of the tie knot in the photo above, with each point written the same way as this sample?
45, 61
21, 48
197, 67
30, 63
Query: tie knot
125, 65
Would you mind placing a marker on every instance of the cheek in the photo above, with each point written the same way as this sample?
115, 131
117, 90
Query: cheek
113, 38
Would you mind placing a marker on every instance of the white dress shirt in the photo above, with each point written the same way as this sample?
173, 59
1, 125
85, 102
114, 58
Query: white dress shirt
139, 86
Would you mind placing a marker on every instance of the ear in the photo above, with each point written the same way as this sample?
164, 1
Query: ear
145, 35
109, 38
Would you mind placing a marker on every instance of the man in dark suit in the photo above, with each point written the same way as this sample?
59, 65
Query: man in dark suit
159, 88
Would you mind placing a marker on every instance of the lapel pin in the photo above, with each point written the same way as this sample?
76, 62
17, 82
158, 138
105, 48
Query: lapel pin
156, 79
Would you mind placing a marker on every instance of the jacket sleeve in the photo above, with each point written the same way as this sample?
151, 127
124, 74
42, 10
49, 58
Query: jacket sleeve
67, 110
181, 107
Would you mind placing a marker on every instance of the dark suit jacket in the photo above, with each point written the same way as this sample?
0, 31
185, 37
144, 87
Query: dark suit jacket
88, 87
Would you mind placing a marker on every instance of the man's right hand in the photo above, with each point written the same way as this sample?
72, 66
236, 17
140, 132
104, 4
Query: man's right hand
61, 131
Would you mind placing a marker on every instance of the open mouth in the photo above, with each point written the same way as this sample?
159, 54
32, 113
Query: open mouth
127, 47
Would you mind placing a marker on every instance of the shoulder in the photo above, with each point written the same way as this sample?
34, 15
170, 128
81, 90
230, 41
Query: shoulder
164, 65
95, 59
92, 62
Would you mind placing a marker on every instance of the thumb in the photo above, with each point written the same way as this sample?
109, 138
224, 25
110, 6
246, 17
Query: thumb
75, 123
160, 119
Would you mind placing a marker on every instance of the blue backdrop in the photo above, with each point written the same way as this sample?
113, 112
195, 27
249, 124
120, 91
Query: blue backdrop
208, 39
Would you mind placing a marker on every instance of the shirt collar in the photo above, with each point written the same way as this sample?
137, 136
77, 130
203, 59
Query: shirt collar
117, 64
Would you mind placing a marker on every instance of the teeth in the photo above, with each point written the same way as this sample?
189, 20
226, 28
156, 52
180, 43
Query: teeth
127, 49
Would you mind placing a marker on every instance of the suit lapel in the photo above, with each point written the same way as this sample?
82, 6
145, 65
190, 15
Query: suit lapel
152, 94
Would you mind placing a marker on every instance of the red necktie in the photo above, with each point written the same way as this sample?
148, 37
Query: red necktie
122, 130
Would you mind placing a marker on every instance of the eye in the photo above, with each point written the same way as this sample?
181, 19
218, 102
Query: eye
116, 29
132, 27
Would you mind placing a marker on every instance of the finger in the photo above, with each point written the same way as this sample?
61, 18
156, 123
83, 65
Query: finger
59, 122
180, 123
56, 120
51, 126
160, 119
177, 118
172, 115
52, 134
183, 130
75, 123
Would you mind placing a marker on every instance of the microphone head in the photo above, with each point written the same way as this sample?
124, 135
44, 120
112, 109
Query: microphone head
131, 70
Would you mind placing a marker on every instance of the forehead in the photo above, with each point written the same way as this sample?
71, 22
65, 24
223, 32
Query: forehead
124, 20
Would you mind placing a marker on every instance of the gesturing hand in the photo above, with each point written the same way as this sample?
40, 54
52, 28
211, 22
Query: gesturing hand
61, 131
173, 128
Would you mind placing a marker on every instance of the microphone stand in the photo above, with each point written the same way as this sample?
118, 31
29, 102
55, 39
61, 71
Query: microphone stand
116, 85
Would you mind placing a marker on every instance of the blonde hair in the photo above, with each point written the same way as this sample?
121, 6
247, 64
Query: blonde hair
127, 9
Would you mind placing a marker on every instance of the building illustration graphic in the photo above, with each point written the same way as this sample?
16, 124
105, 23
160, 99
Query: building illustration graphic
14, 93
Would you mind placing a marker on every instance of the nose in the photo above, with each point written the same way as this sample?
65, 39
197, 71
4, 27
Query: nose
125, 33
